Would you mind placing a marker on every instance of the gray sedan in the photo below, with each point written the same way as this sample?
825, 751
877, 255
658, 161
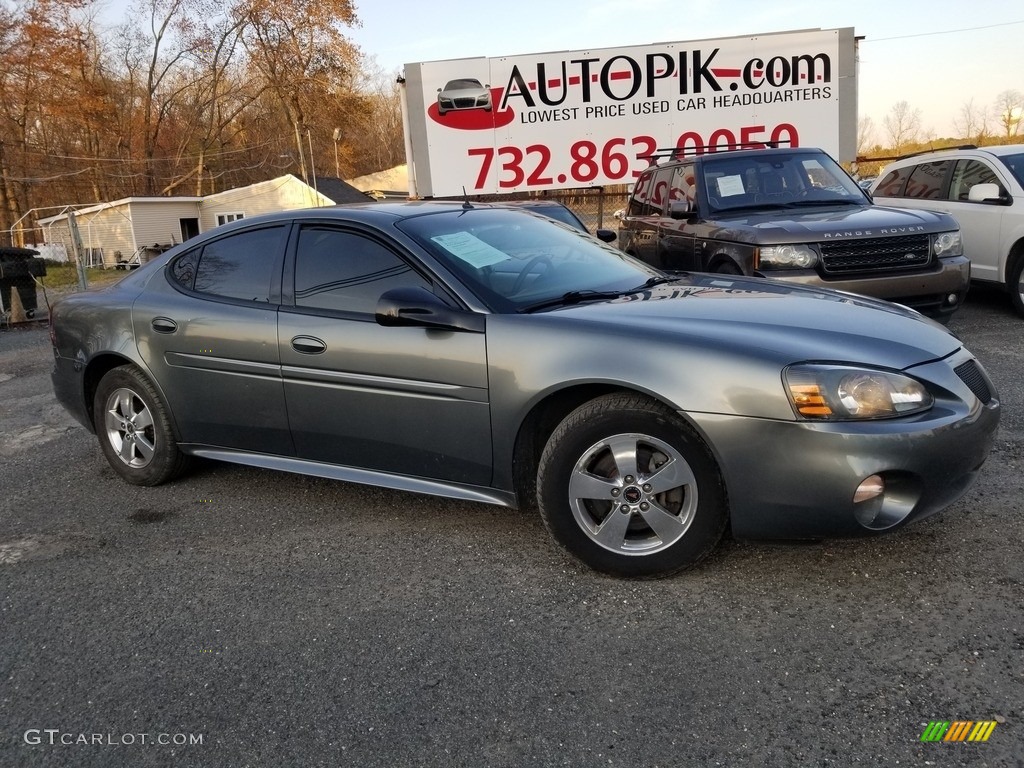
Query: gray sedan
495, 355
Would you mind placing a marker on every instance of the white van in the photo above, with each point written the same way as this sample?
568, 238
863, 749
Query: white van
983, 189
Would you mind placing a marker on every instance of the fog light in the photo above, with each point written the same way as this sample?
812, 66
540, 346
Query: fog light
951, 299
869, 489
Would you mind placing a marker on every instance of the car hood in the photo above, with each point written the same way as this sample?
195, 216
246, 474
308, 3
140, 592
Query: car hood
832, 223
768, 318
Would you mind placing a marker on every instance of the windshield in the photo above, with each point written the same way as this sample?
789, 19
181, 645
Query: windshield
514, 260
778, 180
1016, 165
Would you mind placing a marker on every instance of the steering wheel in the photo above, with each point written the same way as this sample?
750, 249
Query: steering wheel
531, 265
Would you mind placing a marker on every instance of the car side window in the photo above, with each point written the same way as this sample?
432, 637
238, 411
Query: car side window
347, 271
241, 265
684, 184
968, 173
925, 182
640, 202
183, 269
892, 183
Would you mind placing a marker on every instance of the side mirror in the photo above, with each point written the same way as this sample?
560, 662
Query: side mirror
679, 209
606, 235
418, 307
985, 193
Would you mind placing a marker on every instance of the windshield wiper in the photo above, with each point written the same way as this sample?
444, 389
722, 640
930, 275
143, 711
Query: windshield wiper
830, 201
753, 207
573, 297
578, 297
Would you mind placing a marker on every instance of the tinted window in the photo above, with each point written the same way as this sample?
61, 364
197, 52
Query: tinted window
241, 266
183, 269
925, 182
346, 271
684, 184
968, 173
892, 183
640, 202
1016, 165
651, 192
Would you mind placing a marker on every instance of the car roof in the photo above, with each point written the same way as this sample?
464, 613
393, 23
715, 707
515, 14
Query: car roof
997, 150
725, 155
374, 213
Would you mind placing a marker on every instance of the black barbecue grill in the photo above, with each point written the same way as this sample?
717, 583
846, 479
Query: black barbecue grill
18, 270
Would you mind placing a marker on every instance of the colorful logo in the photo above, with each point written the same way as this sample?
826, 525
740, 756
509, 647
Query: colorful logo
959, 730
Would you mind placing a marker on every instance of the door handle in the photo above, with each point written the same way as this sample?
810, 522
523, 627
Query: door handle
164, 325
308, 345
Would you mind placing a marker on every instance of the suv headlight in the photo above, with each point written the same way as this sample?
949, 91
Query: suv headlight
845, 393
787, 256
948, 244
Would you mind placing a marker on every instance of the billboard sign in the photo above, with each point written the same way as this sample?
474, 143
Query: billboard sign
587, 118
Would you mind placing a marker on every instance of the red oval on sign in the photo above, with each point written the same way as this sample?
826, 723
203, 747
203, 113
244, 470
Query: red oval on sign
475, 119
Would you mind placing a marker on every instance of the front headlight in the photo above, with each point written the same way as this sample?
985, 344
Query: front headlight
845, 393
948, 244
787, 256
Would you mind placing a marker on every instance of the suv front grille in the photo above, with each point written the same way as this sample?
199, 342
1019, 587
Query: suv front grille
970, 374
841, 257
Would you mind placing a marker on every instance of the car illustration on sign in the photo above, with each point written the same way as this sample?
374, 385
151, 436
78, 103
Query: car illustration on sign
494, 355
463, 93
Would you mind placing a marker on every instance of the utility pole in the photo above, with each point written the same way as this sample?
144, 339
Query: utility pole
76, 246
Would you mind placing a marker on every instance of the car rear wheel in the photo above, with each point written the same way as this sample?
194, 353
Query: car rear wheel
134, 428
626, 486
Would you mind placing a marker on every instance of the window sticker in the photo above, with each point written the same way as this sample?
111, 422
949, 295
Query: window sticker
471, 249
730, 185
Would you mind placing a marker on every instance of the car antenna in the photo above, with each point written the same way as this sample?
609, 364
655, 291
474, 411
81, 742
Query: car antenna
466, 205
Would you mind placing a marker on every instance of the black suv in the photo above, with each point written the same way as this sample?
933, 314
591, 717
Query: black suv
795, 214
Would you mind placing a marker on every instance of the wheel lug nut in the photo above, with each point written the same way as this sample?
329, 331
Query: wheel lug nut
647, 487
630, 478
644, 506
624, 509
616, 491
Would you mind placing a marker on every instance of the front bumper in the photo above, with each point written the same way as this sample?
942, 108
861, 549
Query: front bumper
927, 292
796, 479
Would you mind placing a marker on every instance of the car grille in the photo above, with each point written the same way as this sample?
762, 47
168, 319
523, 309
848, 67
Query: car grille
464, 103
971, 375
841, 257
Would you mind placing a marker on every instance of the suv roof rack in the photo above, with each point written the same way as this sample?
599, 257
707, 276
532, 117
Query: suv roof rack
936, 149
675, 153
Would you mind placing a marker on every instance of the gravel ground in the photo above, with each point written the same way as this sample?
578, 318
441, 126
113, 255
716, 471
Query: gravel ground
291, 621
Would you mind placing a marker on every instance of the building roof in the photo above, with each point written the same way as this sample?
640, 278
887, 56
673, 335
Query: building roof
340, 191
393, 182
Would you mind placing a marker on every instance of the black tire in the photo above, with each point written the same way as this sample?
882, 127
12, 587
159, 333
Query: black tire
1016, 285
728, 268
602, 517
134, 428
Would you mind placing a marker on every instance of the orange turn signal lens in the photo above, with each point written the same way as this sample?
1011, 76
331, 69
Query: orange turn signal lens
809, 400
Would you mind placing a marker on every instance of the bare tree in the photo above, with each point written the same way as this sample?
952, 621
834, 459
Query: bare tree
1010, 111
865, 135
902, 126
972, 122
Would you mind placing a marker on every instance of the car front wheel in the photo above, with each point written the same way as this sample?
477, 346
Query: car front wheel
134, 428
626, 486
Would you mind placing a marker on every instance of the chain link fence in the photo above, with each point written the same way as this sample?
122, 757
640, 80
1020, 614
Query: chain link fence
596, 206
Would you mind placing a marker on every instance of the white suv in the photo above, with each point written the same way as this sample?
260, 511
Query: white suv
983, 189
